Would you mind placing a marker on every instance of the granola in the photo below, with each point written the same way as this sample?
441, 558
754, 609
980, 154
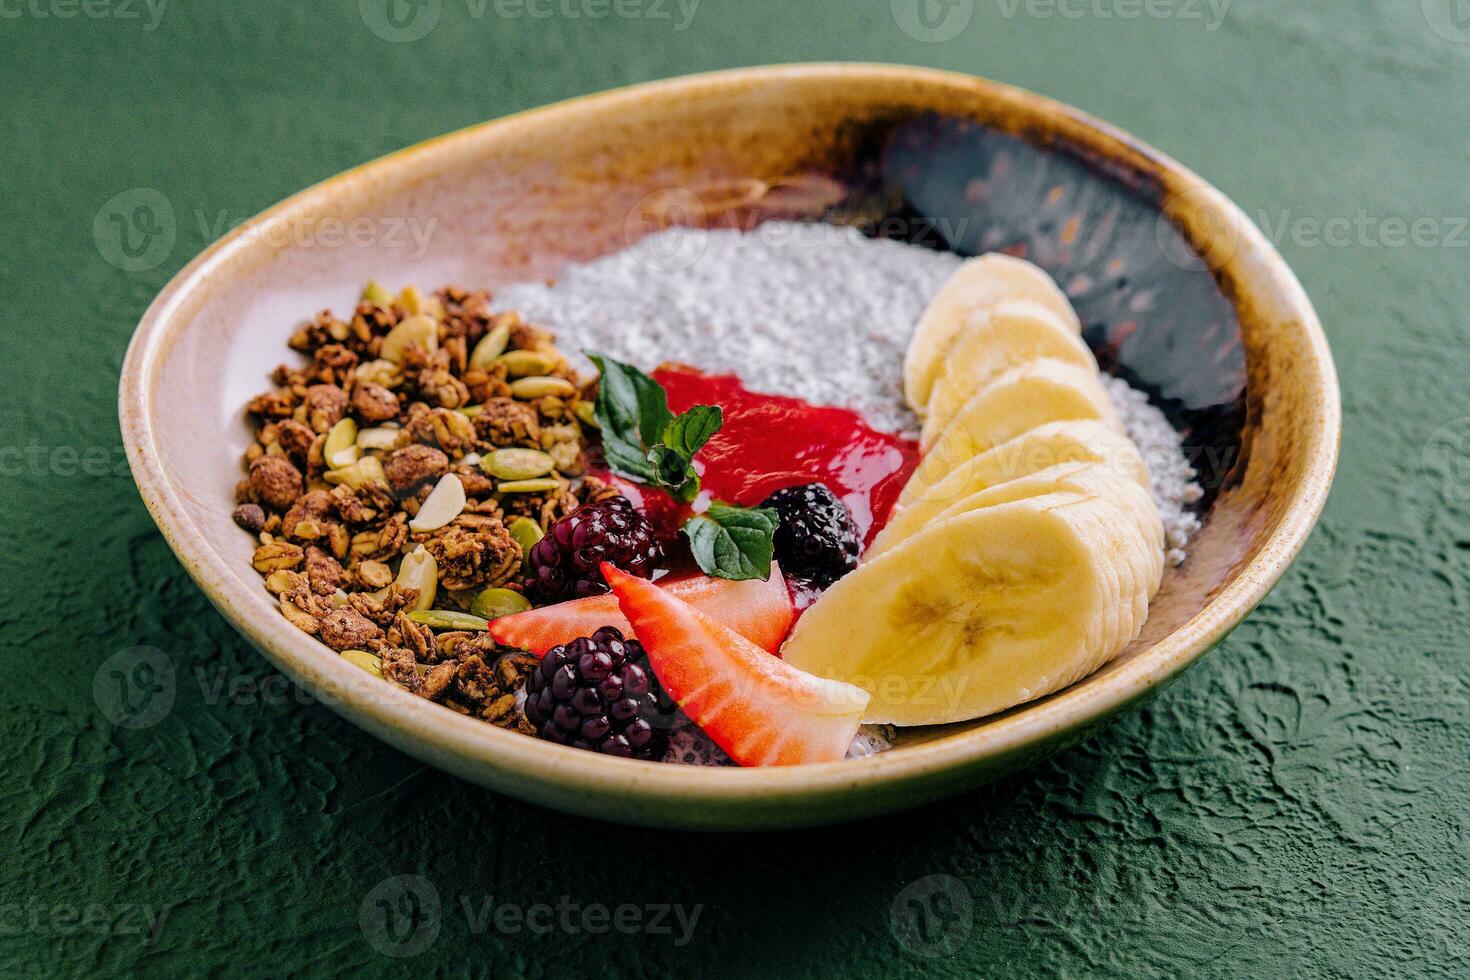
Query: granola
430, 401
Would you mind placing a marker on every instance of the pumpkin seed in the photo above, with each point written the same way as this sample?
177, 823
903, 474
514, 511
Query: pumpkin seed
444, 619
586, 413
540, 387
340, 448
374, 293
494, 603
527, 486
491, 346
517, 464
525, 363
470, 411
365, 660
444, 504
526, 532
419, 571
416, 331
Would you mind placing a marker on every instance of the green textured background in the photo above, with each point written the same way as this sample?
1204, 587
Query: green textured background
1295, 806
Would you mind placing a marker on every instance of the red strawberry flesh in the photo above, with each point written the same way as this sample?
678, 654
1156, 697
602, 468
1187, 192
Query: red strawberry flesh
762, 612
758, 708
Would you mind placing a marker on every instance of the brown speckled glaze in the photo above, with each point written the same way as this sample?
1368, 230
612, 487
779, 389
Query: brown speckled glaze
1228, 342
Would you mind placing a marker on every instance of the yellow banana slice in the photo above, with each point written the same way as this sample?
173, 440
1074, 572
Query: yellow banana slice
936, 485
978, 613
979, 284
1129, 502
1046, 390
993, 342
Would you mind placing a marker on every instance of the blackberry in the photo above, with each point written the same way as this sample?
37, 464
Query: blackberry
816, 540
597, 693
565, 563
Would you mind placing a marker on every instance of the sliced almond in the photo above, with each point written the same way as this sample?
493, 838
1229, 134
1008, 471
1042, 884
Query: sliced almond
380, 438
368, 469
417, 331
419, 571
411, 299
341, 447
443, 505
379, 372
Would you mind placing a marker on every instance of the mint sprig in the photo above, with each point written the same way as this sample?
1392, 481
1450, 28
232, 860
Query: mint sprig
632, 411
672, 458
644, 441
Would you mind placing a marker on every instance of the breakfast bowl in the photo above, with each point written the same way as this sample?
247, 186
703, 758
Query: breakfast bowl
1177, 292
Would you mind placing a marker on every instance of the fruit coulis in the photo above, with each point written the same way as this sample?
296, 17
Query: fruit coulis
772, 441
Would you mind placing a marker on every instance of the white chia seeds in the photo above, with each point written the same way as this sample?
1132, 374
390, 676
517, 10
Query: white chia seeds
804, 309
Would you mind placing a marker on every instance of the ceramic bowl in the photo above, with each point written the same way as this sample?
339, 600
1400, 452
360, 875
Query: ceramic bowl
1178, 290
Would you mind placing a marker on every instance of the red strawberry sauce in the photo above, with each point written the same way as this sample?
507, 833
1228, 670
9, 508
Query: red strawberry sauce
770, 441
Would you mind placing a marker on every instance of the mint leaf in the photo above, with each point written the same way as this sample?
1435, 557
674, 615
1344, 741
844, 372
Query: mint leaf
633, 413
673, 458
688, 433
733, 542
674, 473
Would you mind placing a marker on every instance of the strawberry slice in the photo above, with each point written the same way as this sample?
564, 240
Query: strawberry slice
761, 612
758, 708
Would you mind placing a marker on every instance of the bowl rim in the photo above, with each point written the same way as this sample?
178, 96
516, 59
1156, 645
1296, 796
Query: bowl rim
444, 736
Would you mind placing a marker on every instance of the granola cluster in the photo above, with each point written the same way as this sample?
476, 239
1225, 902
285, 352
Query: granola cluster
409, 396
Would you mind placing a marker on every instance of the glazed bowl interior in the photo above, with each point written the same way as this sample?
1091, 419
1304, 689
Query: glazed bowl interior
1177, 291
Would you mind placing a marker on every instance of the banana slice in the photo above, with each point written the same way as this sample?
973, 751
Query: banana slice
935, 485
1137, 581
979, 284
993, 342
1046, 390
1082, 477
978, 613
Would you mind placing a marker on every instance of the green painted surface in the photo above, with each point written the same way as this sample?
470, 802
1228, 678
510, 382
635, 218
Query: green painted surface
1295, 806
